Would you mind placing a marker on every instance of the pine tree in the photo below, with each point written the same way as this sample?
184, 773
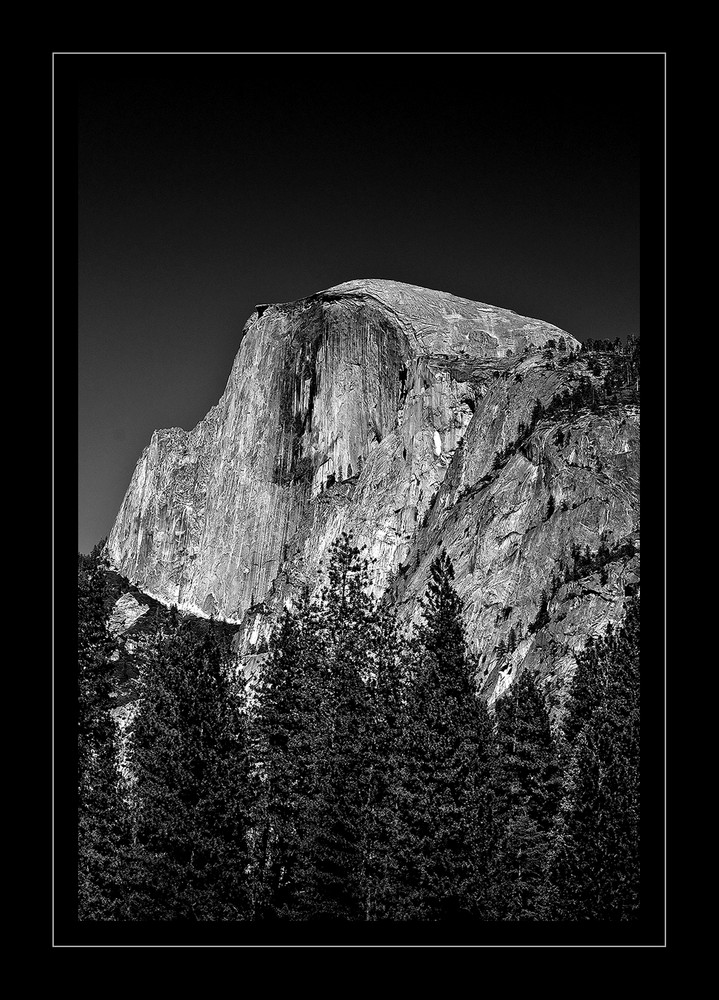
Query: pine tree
526, 789
95, 649
389, 676
345, 619
312, 725
286, 719
191, 787
442, 837
597, 845
101, 819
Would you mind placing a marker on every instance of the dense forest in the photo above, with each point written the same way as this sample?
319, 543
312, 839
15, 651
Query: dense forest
358, 776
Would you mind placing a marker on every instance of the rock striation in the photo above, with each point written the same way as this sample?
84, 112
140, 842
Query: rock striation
397, 414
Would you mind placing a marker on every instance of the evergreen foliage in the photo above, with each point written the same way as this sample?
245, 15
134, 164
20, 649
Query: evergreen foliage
190, 794
596, 866
343, 643
364, 778
386, 753
525, 782
580, 563
284, 727
443, 838
101, 827
313, 729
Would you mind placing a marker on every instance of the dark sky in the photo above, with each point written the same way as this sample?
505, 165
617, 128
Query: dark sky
210, 183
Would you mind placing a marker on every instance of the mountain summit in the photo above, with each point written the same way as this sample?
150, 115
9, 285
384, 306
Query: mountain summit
414, 420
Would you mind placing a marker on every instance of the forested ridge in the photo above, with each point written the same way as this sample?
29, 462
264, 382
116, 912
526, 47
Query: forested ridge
358, 777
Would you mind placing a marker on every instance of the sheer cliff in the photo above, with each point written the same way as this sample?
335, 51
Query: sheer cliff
413, 420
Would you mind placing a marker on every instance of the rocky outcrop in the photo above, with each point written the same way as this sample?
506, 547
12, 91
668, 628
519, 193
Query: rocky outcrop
126, 611
512, 509
400, 415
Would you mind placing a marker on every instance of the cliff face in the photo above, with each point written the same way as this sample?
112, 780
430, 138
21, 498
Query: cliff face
379, 409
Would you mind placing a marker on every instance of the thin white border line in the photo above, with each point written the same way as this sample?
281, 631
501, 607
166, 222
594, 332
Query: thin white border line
665, 504
52, 557
52, 496
370, 52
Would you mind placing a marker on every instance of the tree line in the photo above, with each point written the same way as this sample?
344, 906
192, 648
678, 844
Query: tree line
359, 777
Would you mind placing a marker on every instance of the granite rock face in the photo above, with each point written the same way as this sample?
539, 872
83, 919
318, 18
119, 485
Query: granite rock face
377, 408
125, 613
